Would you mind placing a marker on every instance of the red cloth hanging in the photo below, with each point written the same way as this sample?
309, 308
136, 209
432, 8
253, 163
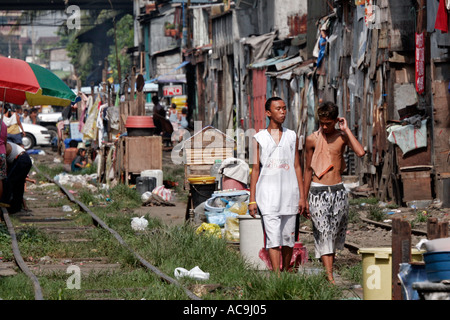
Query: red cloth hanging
442, 18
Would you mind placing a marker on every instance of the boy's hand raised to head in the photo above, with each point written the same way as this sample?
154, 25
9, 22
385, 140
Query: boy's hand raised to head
342, 123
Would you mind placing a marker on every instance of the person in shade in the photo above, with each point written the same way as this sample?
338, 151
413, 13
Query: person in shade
3, 166
80, 160
19, 165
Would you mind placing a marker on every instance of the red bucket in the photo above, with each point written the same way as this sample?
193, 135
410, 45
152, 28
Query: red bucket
139, 122
140, 126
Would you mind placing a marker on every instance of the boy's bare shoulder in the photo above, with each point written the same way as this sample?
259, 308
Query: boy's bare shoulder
342, 135
312, 136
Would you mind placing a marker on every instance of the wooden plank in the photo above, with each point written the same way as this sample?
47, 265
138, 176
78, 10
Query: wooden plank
401, 252
202, 156
436, 229
416, 185
441, 127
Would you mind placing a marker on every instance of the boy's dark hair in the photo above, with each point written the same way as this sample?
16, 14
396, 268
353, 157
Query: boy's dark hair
269, 102
73, 144
328, 110
155, 100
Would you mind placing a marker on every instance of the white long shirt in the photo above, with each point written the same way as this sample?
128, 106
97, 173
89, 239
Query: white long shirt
277, 191
15, 151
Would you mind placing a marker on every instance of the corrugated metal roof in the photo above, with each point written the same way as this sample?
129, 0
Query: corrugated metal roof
267, 63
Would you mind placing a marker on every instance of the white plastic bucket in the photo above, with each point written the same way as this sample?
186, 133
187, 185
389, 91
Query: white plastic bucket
251, 239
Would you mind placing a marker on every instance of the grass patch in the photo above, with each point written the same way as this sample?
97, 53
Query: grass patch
421, 217
376, 214
361, 201
353, 215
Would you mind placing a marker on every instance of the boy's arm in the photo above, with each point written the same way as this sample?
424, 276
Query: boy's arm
309, 150
354, 144
252, 207
298, 172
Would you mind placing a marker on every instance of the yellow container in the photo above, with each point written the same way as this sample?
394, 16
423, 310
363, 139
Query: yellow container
377, 271
202, 189
180, 101
202, 180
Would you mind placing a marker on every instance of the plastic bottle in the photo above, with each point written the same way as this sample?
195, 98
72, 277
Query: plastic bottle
215, 172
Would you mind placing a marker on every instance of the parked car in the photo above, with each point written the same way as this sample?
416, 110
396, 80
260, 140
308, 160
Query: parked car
36, 135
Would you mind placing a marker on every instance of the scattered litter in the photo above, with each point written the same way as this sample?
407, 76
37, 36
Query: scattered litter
71, 180
195, 273
164, 193
421, 243
209, 228
67, 208
45, 260
146, 196
139, 224
150, 199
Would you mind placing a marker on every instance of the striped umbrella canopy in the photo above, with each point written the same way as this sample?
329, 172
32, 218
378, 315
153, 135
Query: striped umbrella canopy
21, 81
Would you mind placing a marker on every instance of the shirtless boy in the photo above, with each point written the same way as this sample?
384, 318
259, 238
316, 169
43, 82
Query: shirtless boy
327, 204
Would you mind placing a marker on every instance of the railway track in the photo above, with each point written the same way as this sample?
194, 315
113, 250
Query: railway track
54, 220
354, 248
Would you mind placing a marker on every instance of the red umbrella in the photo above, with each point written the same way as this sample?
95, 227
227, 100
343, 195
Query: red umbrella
21, 81
15, 80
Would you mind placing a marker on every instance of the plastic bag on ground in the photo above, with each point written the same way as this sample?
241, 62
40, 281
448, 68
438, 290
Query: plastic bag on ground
232, 229
139, 224
164, 193
195, 273
210, 229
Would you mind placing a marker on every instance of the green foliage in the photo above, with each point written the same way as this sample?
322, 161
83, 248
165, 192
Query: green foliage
376, 214
81, 53
124, 35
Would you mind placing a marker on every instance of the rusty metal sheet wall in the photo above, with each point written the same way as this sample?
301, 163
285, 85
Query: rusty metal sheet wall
258, 99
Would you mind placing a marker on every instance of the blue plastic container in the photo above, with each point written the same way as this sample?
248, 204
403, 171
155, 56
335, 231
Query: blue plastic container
437, 265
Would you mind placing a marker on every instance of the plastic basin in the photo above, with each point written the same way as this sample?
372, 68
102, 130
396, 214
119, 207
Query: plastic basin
437, 265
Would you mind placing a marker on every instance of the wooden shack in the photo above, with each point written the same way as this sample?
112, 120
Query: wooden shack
202, 149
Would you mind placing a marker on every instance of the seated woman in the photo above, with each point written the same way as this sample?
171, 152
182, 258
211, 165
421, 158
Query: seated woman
80, 161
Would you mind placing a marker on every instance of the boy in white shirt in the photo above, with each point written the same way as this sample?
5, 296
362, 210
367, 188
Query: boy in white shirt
276, 187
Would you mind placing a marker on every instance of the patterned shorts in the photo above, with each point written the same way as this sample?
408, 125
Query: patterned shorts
3, 172
328, 206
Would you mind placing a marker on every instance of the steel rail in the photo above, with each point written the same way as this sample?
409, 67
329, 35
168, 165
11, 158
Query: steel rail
18, 256
100, 222
387, 226
354, 247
